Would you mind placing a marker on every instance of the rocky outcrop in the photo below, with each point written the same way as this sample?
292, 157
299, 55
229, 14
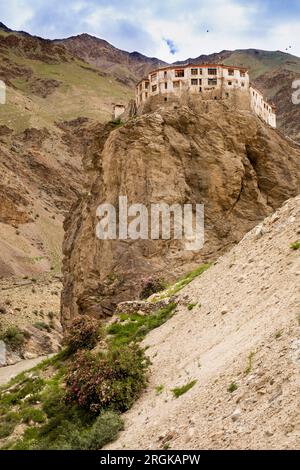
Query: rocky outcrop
205, 152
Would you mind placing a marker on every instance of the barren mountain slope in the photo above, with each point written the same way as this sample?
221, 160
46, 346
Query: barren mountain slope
188, 152
43, 134
240, 343
126, 67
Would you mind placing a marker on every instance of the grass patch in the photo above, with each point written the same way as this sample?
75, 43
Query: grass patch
33, 415
8, 424
232, 387
191, 306
135, 326
295, 246
159, 389
178, 391
184, 281
250, 363
41, 325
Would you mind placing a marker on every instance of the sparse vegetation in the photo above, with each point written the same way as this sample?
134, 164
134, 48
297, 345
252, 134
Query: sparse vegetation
116, 122
14, 338
184, 281
41, 325
232, 387
295, 246
250, 363
135, 326
278, 334
178, 391
159, 389
192, 306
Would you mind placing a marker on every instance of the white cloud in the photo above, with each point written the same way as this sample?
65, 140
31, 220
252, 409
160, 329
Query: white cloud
17, 13
142, 25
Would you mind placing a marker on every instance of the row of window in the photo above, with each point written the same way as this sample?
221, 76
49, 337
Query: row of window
179, 73
195, 82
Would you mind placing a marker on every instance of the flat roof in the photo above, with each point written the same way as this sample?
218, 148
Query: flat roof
194, 66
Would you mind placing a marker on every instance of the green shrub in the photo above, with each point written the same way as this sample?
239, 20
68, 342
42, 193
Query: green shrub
232, 387
41, 325
295, 246
28, 386
14, 338
151, 285
191, 306
104, 430
83, 333
178, 391
111, 380
159, 389
8, 424
32, 414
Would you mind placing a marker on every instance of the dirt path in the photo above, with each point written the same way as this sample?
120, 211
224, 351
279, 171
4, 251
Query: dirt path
7, 373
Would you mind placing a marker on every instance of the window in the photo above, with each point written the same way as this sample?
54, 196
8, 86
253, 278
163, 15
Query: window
243, 84
154, 88
146, 95
179, 73
200, 71
200, 81
166, 86
231, 73
212, 81
140, 87
194, 81
229, 83
200, 89
153, 77
165, 74
212, 71
146, 85
243, 74
194, 71
176, 84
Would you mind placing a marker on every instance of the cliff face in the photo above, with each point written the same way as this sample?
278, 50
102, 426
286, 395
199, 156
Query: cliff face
210, 153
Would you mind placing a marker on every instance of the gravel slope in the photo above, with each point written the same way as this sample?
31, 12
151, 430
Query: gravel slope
245, 331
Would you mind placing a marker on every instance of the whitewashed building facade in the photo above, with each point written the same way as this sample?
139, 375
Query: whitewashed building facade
211, 81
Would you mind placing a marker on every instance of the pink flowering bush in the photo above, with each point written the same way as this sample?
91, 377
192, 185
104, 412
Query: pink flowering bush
111, 380
83, 333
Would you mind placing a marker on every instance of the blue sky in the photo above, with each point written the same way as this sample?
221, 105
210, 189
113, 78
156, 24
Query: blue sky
168, 29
